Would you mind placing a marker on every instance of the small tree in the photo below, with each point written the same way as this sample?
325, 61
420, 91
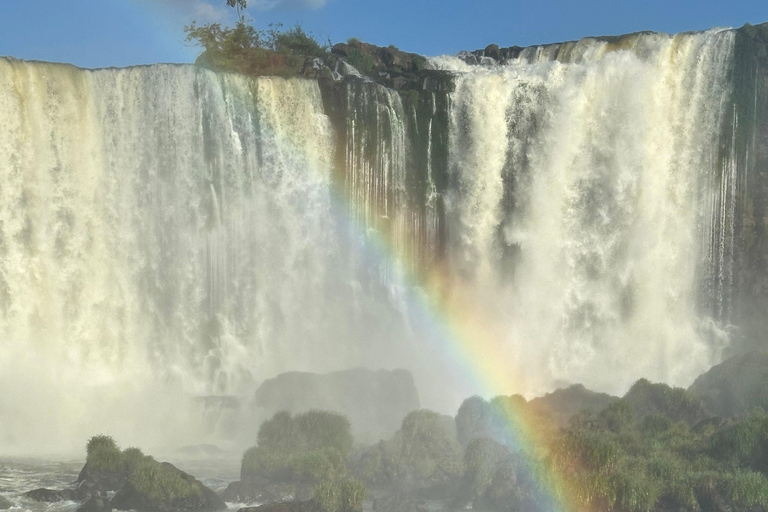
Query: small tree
238, 4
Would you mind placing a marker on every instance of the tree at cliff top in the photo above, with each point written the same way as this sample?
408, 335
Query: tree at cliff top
250, 51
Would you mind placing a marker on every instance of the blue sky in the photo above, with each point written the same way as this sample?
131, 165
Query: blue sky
101, 33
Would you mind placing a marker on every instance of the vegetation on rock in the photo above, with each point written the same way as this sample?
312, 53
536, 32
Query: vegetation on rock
247, 50
423, 454
308, 447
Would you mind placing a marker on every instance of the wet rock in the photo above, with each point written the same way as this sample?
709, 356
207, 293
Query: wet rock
374, 401
5, 504
96, 504
52, 495
492, 51
735, 386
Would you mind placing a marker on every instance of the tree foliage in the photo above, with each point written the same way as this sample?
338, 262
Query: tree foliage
247, 50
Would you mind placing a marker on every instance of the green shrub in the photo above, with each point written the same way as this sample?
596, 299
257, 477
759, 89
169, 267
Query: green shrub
618, 417
422, 453
103, 453
362, 62
744, 442
307, 447
247, 50
341, 495
296, 41
161, 481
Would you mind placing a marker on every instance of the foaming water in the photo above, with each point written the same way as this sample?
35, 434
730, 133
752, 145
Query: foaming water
170, 237
584, 175
165, 233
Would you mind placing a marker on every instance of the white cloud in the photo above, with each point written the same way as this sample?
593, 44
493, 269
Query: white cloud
199, 10
287, 5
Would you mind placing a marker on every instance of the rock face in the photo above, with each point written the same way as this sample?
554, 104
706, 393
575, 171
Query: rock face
374, 401
562, 404
96, 504
736, 386
393, 68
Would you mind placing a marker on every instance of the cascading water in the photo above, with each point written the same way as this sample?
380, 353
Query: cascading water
169, 233
583, 177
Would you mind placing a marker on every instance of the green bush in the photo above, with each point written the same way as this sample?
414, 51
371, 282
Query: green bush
307, 447
341, 495
423, 453
103, 454
744, 443
247, 50
362, 62
161, 481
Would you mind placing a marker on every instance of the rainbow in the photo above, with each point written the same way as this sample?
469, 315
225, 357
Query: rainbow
474, 341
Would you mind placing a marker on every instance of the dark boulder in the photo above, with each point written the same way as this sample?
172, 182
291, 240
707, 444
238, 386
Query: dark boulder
102, 479
562, 404
735, 386
5, 504
374, 401
52, 496
390, 67
96, 504
492, 51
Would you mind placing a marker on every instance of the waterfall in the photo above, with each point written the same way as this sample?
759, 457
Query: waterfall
170, 235
583, 178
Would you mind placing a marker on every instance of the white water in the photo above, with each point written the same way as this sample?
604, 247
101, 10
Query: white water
167, 233
608, 157
164, 233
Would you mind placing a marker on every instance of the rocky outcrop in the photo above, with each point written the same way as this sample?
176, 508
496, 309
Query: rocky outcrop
5, 504
562, 404
660, 399
52, 496
736, 386
393, 68
374, 401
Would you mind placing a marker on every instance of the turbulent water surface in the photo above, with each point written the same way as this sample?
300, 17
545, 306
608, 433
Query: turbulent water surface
167, 233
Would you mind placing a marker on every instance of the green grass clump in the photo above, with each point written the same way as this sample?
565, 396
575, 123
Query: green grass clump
103, 454
159, 481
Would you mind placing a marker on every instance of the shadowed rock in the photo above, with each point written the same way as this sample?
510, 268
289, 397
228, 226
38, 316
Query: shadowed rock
374, 401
